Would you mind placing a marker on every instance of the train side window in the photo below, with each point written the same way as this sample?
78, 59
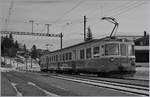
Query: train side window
96, 52
63, 57
82, 54
67, 57
88, 53
70, 56
49, 58
53, 58
60, 57
56, 57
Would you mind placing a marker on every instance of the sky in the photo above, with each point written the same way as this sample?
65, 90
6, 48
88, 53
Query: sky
66, 16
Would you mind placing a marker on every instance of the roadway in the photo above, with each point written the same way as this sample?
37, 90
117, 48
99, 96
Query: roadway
18, 83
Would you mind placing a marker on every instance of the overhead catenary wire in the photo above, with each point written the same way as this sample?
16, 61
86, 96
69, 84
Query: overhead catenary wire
128, 8
136, 4
128, 4
72, 22
70, 10
120, 12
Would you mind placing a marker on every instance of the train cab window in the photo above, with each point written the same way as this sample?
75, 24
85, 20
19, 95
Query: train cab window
70, 56
131, 50
96, 52
82, 54
88, 53
123, 49
112, 49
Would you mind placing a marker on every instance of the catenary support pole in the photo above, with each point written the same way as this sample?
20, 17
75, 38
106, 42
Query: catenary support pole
61, 35
85, 27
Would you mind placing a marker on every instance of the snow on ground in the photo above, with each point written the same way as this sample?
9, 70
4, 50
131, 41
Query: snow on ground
142, 73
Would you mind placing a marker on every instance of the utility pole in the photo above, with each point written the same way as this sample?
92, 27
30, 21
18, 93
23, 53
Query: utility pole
6, 24
48, 27
61, 35
85, 20
32, 21
26, 64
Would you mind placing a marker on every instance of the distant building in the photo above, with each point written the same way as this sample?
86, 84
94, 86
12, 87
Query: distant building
20, 46
142, 48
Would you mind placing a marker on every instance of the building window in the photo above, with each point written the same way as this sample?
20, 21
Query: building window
88, 53
82, 54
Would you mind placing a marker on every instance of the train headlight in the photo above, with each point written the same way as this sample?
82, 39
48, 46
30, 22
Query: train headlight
132, 59
112, 59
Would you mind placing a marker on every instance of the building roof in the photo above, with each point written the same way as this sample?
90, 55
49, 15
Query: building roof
142, 38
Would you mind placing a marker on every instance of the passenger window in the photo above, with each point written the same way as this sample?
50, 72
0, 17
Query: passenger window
96, 52
82, 54
56, 57
88, 53
49, 59
70, 56
63, 57
67, 56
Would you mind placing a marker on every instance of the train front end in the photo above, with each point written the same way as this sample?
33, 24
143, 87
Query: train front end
120, 56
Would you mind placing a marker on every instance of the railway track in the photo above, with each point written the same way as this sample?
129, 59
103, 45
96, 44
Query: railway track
122, 87
116, 80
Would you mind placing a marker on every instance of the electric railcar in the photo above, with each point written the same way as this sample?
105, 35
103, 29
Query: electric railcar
99, 56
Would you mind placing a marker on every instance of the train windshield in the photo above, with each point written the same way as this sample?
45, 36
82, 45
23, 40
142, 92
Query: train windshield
112, 49
131, 50
126, 50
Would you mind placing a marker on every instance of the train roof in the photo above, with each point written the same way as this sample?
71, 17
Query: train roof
86, 42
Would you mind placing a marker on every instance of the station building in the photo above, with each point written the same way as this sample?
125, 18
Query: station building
141, 47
